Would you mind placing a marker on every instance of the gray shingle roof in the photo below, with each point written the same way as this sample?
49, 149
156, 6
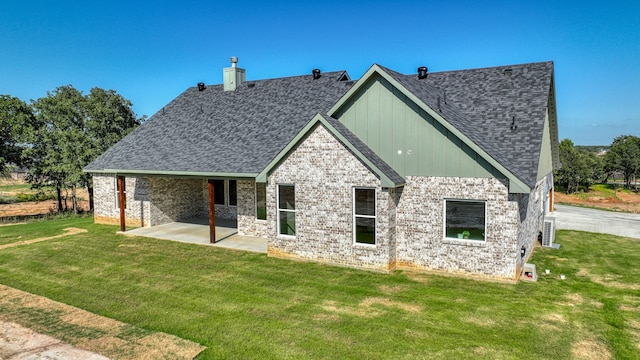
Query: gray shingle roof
482, 104
214, 131
241, 131
365, 150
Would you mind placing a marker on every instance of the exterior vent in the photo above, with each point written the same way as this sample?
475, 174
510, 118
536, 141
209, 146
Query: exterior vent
316, 74
201, 86
422, 72
549, 232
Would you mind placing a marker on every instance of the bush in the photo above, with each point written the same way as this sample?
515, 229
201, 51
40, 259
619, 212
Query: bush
22, 197
7, 200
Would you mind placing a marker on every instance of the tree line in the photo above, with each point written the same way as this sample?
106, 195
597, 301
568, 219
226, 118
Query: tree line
56, 136
580, 168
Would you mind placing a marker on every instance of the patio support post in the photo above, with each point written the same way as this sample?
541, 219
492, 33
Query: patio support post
212, 212
121, 202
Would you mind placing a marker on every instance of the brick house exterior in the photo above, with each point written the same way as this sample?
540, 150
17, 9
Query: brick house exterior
387, 172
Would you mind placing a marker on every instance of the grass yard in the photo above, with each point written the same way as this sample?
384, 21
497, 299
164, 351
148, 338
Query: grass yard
246, 305
21, 187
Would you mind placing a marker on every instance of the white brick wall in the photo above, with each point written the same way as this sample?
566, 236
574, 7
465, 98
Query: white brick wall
409, 220
155, 201
138, 209
324, 173
420, 227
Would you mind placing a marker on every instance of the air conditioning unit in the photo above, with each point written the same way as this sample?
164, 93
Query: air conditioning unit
549, 232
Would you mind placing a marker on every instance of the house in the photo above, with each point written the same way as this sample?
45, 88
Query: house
446, 171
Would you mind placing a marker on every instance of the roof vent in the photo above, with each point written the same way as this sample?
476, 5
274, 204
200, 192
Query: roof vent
422, 72
201, 86
316, 74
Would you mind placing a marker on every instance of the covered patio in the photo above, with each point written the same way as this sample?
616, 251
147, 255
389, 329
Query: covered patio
196, 231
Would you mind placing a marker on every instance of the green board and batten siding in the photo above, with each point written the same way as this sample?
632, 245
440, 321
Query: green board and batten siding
406, 137
545, 165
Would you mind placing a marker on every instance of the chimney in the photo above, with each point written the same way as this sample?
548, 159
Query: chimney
233, 76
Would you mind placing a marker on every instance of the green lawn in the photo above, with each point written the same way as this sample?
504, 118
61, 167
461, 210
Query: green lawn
34, 230
15, 193
246, 305
16, 187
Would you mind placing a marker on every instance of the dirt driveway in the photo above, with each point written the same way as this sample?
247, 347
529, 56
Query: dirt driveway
81, 329
18, 342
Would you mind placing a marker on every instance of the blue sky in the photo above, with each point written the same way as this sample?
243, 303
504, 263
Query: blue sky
151, 51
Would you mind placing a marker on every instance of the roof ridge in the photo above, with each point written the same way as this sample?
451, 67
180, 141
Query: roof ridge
494, 67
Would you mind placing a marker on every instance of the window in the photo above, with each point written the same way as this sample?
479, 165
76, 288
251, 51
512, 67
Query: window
364, 216
261, 201
228, 188
286, 210
218, 192
465, 219
233, 193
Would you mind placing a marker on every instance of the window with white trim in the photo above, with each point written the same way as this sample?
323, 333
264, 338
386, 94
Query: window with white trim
286, 210
261, 201
465, 219
364, 216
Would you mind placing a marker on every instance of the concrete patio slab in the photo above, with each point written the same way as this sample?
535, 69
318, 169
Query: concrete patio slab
197, 232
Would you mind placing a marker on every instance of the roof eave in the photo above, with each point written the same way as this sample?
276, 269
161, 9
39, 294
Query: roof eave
174, 174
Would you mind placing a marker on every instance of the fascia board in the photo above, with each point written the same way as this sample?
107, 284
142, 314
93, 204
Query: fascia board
553, 124
174, 174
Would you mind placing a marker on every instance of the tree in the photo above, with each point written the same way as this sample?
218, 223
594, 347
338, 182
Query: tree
575, 172
15, 118
109, 118
595, 165
624, 156
57, 153
73, 130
